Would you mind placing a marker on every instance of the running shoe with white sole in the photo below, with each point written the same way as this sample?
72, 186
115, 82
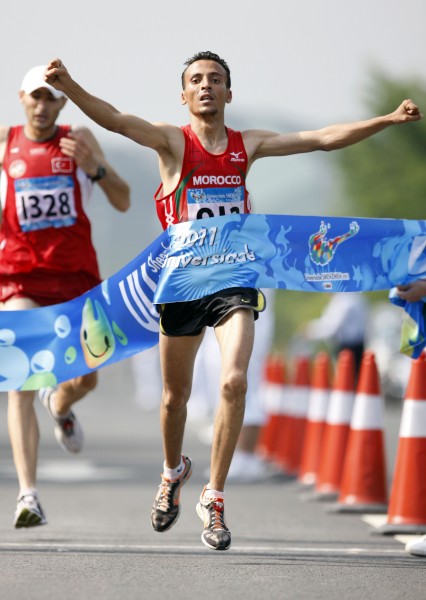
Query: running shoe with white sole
28, 512
68, 431
216, 534
417, 547
166, 506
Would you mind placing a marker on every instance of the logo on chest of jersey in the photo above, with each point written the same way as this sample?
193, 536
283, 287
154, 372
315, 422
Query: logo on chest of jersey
38, 151
236, 157
17, 168
62, 164
217, 180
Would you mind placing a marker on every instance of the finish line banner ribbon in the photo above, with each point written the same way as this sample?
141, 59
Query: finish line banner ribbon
44, 346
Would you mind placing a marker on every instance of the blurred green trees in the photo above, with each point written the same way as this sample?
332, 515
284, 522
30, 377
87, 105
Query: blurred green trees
385, 175
382, 177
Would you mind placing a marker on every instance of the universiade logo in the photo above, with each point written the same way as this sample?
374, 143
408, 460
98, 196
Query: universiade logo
321, 249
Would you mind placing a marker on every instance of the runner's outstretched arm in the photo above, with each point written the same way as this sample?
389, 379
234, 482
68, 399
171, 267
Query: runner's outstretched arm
267, 143
104, 114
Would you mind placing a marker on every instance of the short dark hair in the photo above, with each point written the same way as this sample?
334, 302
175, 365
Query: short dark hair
207, 55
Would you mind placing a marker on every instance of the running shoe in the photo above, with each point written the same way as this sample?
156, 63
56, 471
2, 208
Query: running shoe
166, 506
28, 512
417, 547
216, 534
68, 431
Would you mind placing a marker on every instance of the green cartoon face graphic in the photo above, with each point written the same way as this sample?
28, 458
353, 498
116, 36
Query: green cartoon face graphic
410, 335
97, 335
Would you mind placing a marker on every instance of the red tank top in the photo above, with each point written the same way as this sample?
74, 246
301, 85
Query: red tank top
44, 225
210, 185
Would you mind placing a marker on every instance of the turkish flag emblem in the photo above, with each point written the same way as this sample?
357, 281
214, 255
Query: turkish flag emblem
62, 165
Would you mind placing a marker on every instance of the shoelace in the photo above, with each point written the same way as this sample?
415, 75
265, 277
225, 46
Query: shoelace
165, 495
217, 516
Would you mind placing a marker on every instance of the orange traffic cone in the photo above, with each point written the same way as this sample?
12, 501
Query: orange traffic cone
315, 421
407, 503
337, 427
363, 486
290, 443
274, 374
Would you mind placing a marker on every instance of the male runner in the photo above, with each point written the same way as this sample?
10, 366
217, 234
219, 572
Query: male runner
198, 162
47, 255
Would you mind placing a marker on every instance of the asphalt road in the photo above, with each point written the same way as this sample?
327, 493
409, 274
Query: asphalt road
99, 543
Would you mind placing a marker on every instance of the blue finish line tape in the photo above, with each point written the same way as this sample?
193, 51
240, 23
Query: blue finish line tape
44, 346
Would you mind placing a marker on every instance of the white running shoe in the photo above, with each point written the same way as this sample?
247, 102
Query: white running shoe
68, 431
417, 547
28, 512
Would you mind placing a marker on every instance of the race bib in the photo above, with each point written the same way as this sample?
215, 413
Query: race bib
43, 202
214, 202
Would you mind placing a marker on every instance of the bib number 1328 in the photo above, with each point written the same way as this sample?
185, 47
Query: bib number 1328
34, 207
40, 208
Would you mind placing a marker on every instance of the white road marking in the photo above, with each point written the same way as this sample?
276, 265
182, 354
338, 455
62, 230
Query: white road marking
375, 520
147, 548
72, 471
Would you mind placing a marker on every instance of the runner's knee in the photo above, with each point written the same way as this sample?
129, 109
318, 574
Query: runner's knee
175, 399
234, 386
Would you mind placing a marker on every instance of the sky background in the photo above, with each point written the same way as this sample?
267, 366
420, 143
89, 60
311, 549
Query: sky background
294, 65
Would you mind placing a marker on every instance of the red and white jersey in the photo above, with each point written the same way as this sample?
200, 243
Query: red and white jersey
43, 194
210, 185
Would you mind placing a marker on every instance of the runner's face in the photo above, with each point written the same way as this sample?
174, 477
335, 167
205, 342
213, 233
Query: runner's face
205, 90
41, 108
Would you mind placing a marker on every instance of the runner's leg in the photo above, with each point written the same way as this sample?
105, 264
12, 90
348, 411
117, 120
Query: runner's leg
235, 335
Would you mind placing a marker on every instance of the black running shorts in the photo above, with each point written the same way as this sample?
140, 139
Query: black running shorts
190, 318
